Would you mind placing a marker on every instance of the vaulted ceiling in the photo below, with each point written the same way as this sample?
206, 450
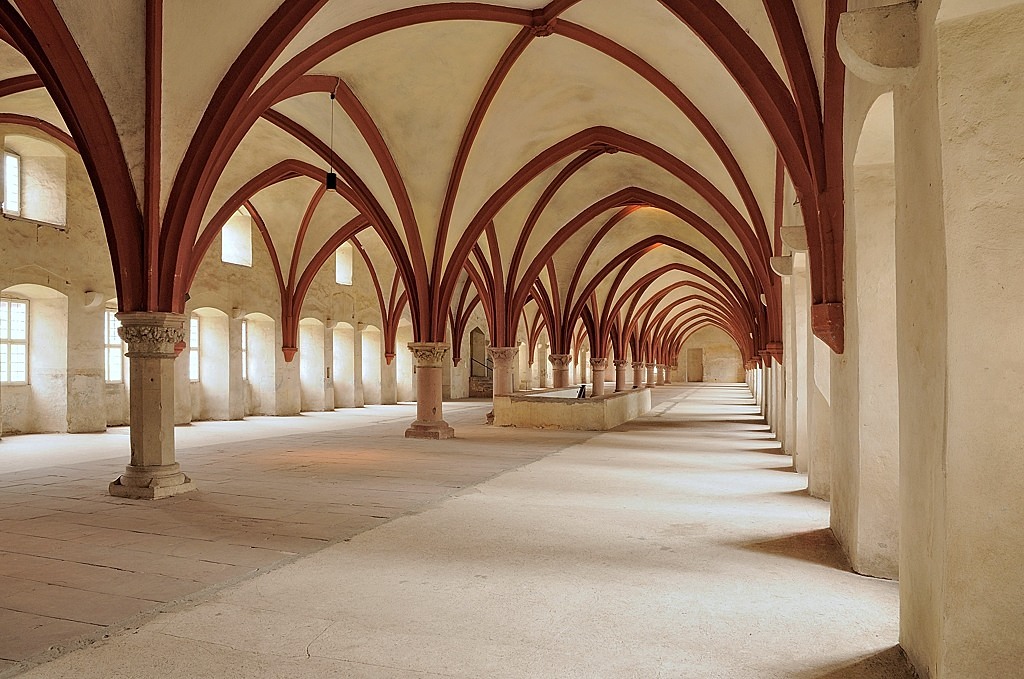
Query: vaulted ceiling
618, 165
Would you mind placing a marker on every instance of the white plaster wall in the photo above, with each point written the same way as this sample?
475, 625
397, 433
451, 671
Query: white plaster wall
722, 359
921, 354
312, 368
980, 108
344, 367
261, 391
40, 405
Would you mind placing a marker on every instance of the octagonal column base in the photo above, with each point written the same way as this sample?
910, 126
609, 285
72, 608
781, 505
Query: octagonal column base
151, 482
436, 430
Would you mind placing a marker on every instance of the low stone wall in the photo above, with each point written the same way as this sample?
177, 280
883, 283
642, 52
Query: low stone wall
550, 410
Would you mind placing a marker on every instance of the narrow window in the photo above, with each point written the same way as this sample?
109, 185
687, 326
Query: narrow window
12, 184
236, 239
245, 350
343, 264
113, 348
193, 349
13, 341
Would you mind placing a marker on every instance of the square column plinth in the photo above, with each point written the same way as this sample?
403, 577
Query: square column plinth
153, 472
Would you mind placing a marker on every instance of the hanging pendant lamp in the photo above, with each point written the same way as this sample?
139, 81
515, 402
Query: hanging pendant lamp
332, 178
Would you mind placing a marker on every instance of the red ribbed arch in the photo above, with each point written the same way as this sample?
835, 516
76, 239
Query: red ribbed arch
603, 137
646, 245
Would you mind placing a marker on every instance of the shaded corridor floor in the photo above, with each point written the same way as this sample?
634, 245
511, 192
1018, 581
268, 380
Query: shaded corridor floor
680, 545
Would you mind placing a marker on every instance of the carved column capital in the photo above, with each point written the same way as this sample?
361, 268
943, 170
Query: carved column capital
151, 334
599, 363
429, 354
620, 363
500, 354
639, 365
560, 360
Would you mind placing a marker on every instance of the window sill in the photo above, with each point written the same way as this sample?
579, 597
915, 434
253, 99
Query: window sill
37, 222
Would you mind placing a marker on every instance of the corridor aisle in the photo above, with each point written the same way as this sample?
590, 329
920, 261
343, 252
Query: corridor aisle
680, 545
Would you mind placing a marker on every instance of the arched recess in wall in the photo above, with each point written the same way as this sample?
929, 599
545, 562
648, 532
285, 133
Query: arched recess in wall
871, 245
709, 354
403, 362
115, 391
478, 353
313, 381
541, 366
34, 351
35, 175
372, 357
522, 379
348, 374
211, 393
259, 357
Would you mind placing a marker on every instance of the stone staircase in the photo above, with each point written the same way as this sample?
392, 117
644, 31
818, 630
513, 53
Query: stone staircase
481, 387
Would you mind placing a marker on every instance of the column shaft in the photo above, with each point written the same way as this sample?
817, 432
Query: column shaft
620, 374
560, 369
638, 375
598, 368
429, 422
153, 472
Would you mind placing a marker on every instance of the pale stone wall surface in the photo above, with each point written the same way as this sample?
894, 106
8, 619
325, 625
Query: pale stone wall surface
722, 359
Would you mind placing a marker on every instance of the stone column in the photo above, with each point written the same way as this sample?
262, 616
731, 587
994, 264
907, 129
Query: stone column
503, 358
153, 473
598, 368
541, 361
652, 380
668, 374
638, 374
661, 374
620, 374
429, 424
560, 369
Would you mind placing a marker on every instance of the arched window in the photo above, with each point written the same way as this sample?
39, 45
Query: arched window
245, 350
13, 341
236, 239
12, 183
343, 264
113, 348
35, 175
193, 349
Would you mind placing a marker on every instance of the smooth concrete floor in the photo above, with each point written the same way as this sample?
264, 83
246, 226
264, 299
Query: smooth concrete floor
680, 545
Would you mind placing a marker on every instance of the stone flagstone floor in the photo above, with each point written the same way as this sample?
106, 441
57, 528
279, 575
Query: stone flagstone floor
680, 545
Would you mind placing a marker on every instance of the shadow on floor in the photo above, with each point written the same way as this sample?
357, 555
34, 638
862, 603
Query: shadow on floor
816, 546
888, 664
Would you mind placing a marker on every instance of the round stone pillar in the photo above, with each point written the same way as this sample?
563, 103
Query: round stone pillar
668, 374
153, 473
652, 380
429, 424
638, 374
620, 374
503, 358
598, 367
560, 369
661, 374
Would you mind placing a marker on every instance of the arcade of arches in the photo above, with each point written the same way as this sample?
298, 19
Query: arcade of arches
280, 207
